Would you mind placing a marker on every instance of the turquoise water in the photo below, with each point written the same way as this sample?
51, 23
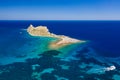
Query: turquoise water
24, 57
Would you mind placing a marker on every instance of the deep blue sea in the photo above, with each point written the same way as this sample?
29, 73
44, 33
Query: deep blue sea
103, 38
103, 35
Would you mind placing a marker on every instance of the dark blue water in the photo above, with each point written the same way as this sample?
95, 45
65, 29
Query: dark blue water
104, 36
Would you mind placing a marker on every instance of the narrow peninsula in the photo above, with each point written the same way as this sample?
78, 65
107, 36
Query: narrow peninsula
61, 40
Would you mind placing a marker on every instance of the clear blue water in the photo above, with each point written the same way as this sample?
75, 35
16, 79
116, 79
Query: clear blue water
104, 35
23, 57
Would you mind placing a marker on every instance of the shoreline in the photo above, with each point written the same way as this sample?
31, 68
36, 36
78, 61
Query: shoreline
57, 44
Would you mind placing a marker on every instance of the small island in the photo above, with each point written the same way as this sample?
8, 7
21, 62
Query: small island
44, 32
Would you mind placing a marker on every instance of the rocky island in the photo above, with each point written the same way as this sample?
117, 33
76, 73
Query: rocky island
44, 32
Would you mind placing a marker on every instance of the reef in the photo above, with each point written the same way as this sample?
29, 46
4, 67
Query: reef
49, 67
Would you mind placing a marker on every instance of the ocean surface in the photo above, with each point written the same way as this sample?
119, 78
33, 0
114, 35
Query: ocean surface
23, 57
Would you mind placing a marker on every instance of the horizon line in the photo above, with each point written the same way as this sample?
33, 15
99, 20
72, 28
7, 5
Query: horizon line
57, 20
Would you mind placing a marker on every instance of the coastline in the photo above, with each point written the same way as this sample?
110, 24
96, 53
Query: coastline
61, 40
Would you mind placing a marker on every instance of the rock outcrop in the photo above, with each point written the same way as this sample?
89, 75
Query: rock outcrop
43, 31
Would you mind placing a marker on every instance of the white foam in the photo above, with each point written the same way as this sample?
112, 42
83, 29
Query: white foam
110, 68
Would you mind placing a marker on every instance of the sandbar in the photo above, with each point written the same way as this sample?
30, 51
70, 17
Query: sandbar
61, 40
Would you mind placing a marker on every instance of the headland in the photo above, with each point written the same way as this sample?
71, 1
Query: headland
61, 40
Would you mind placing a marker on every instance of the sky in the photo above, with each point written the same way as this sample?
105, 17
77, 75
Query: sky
59, 9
